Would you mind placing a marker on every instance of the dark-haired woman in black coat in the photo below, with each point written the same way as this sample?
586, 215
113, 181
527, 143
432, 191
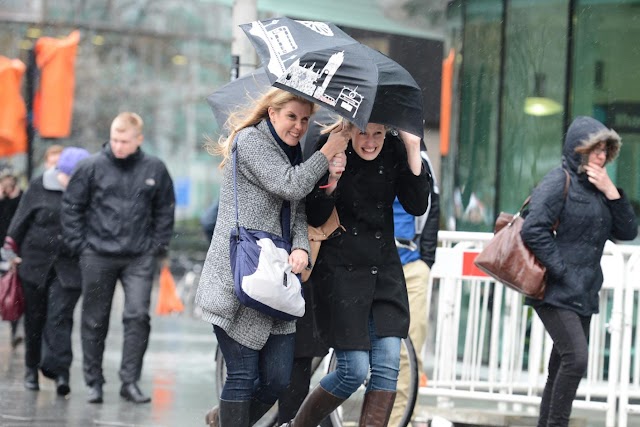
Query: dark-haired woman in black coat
592, 212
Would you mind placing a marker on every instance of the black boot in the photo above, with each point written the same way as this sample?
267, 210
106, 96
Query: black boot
132, 393
62, 385
95, 393
234, 414
257, 411
318, 404
31, 379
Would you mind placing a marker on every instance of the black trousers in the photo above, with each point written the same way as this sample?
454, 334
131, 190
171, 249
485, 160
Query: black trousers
48, 322
99, 277
567, 365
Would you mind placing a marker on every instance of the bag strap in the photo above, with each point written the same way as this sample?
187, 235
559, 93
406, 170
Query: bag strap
564, 197
285, 223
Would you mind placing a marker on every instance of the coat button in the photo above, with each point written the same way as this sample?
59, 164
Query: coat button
381, 170
350, 267
380, 205
354, 231
378, 234
374, 270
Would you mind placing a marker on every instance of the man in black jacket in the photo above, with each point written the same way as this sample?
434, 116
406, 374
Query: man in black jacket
118, 214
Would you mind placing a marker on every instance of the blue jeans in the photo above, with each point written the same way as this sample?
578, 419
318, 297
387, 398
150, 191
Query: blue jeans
256, 374
383, 361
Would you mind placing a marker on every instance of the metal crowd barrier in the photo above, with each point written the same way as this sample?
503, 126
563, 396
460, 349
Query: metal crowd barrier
486, 345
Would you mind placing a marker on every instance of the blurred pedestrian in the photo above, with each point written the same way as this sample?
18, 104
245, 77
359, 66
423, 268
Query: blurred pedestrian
10, 194
118, 215
51, 156
208, 220
272, 182
50, 276
592, 212
417, 239
359, 287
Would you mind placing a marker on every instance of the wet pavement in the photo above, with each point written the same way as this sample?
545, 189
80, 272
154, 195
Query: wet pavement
178, 374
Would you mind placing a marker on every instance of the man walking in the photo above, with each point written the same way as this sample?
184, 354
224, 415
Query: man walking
118, 214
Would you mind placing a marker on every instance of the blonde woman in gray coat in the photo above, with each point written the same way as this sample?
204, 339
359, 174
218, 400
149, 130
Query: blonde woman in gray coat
257, 348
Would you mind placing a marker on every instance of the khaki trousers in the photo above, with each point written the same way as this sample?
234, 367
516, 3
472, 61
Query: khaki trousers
416, 275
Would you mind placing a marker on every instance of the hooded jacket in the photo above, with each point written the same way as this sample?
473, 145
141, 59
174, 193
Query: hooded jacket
36, 230
587, 220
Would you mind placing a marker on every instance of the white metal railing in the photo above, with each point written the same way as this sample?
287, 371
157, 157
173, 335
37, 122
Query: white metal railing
489, 346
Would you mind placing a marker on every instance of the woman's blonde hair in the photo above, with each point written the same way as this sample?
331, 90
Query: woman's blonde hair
339, 121
251, 116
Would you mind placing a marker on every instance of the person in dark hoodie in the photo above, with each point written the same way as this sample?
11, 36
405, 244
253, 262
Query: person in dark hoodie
50, 275
592, 212
118, 214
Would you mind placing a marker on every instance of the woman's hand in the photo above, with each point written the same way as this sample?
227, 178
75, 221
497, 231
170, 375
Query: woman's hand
599, 177
412, 145
337, 142
299, 259
337, 165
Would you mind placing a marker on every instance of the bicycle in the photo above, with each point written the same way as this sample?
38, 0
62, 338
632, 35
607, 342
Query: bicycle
348, 413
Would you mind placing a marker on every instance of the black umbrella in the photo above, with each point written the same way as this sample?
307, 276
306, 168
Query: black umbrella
237, 94
319, 61
241, 92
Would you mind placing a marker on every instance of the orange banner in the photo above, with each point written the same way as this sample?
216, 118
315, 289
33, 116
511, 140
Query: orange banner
53, 103
445, 102
13, 114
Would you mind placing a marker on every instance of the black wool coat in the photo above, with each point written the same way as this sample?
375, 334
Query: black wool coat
587, 220
359, 273
37, 231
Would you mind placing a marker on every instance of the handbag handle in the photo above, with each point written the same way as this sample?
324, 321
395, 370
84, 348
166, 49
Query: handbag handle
286, 233
564, 196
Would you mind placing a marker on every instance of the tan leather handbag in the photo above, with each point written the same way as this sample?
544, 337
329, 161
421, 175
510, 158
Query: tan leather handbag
507, 259
331, 228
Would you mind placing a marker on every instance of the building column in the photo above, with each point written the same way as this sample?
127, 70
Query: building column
244, 11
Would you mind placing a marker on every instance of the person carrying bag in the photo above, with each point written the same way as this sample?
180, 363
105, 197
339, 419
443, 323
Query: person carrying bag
593, 211
270, 179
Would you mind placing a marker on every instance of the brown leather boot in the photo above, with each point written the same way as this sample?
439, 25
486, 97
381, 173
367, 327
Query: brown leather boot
376, 408
318, 404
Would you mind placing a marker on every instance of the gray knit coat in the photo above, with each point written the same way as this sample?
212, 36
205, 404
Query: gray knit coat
265, 178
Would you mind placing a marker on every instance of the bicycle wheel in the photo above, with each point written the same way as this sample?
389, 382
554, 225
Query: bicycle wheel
269, 419
348, 414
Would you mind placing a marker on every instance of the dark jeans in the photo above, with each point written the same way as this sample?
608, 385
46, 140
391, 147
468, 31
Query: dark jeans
256, 374
99, 277
48, 322
567, 365
298, 388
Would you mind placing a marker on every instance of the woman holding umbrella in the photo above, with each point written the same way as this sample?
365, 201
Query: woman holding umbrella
362, 306
271, 180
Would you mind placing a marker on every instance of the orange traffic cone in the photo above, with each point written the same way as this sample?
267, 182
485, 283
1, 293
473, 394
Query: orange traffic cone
168, 299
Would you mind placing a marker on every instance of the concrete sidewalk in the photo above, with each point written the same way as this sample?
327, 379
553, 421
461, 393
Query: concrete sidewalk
178, 373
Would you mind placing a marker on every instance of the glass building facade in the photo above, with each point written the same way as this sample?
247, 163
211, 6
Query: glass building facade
523, 70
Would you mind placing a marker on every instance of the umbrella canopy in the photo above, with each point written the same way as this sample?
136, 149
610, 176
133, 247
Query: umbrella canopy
319, 61
242, 91
237, 93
